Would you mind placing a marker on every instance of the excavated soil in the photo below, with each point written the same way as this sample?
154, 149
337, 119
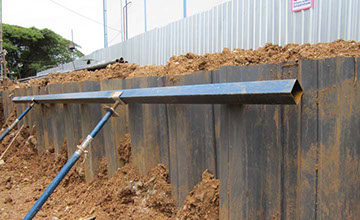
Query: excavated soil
189, 63
203, 201
124, 150
127, 195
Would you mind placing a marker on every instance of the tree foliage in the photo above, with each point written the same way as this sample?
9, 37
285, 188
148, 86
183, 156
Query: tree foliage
30, 50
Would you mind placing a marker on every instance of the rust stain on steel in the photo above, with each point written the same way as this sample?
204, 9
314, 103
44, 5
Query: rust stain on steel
338, 193
115, 129
90, 116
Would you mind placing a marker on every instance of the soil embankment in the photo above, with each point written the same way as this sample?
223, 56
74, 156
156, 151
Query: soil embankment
189, 63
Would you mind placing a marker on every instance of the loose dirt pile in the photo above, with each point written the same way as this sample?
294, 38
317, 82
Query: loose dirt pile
189, 63
124, 150
127, 195
203, 201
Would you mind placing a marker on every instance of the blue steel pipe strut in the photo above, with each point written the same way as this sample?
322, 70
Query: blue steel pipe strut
6, 132
69, 164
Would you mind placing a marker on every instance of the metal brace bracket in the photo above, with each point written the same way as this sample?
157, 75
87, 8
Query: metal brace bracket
33, 102
116, 97
107, 108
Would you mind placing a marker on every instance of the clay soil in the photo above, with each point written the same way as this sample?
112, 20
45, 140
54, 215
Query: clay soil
127, 195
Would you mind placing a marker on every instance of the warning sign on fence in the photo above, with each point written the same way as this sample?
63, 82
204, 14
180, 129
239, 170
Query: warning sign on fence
298, 5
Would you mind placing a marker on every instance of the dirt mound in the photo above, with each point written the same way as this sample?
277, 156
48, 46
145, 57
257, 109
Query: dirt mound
25, 175
135, 196
189, 63
124, 149
127, 195
203, 201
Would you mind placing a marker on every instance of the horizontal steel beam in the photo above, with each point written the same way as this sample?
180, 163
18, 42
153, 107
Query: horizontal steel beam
254, 92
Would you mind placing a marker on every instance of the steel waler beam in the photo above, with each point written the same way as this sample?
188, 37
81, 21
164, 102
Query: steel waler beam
255, 92
6, 132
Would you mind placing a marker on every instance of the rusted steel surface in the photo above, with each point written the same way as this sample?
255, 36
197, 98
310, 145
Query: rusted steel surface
5, 105
339, 118
19, 108
300, 148
148, 128
25, 119
191, 139
41, 124
250, 151
298, 178
48, 116
115, 129
318, 152
90, 115
72, 119
30, 115
29, 122
57, 119
37, 119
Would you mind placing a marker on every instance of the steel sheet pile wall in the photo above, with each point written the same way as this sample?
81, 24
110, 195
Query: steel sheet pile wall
117, 127
148, 128
274, 162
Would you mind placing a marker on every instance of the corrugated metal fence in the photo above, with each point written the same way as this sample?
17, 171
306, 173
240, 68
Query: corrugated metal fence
235, 24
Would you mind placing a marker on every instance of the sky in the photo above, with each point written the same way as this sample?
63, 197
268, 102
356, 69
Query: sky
86, 17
